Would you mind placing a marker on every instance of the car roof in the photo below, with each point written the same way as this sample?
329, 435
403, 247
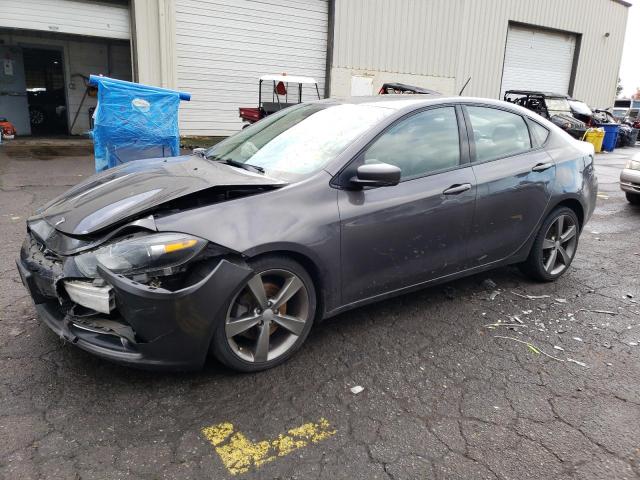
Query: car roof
410, 102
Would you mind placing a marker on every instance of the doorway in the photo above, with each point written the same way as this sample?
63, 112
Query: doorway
44, 77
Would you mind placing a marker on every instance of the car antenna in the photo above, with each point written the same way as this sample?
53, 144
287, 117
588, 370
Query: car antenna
464, 86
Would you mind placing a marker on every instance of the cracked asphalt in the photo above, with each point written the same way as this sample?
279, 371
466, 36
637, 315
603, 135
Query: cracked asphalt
442, 398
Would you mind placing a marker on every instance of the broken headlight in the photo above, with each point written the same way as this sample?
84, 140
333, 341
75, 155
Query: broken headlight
154, 254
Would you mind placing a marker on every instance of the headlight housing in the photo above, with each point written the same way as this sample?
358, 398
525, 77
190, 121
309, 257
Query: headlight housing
157, 253
633, 164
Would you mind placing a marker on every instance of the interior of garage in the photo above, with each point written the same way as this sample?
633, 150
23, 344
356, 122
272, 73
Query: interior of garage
43, 79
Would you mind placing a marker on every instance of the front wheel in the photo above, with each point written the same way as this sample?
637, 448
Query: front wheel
554, 247
269, 319
633, 198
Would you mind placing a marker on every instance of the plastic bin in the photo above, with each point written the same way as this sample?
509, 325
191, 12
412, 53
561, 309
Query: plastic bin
610, 136
594, 136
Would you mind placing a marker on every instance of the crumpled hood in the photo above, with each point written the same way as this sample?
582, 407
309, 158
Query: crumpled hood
140, 186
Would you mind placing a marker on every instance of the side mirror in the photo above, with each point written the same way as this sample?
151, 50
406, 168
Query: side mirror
199, 151
376, 175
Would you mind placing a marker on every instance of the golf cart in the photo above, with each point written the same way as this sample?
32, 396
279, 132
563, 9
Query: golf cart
552, 106
280, 87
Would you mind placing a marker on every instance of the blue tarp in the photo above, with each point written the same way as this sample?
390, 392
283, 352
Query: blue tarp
134, 121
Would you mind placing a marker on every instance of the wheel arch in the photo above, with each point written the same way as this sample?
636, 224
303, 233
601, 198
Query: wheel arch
575, 205
321, 282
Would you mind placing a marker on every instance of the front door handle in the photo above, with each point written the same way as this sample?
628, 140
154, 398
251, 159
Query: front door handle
456, 189
541, 167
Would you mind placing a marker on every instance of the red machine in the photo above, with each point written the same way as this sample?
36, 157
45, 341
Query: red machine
7, 130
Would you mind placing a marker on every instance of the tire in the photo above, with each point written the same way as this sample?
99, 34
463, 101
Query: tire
545, 265
633, 198
238, 338
37, 117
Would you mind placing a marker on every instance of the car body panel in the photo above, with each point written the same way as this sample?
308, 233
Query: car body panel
406, 234
510, 203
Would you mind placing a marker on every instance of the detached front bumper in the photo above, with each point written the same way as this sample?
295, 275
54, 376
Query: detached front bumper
156, 328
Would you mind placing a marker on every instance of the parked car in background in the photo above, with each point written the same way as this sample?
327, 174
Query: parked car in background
402, 88
630, 180
283, 91
581, 111
315, 210
552, 106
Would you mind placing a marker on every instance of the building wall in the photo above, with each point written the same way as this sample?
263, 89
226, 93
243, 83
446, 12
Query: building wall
154, 42
81, 56
448, 41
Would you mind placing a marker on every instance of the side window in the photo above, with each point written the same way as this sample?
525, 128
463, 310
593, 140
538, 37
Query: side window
539, 134
497, 133
425, 142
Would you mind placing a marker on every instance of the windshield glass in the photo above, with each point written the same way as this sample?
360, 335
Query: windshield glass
558, 105
299, 140
580, 107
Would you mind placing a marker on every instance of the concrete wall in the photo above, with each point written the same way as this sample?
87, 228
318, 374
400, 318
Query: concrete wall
443, 42
81, 56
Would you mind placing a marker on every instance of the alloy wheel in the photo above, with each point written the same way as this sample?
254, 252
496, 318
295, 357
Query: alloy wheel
559, 245
268, 316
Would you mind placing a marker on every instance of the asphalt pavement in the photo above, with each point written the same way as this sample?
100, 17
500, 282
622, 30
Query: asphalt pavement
418, 387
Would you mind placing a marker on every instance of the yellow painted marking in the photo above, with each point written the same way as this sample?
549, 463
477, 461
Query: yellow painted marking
239, 454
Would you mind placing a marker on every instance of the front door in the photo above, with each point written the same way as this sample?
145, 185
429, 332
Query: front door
395, 237
514, 180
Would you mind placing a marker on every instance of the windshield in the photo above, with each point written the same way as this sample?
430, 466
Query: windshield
558, 105
580, 107
620, 112
298, 140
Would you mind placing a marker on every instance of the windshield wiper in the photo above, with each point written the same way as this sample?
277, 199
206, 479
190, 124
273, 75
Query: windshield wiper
245, 166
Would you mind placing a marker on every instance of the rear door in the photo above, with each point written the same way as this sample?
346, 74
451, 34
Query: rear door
514, 176
394, 237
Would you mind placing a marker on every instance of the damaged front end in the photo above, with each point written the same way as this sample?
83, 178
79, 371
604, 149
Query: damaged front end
134, 296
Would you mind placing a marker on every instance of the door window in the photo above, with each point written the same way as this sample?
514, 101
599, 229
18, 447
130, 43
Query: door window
425, 142
497, 133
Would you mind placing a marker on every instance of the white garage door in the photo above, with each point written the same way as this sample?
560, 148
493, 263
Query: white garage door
537, 60
223, 46
94, 19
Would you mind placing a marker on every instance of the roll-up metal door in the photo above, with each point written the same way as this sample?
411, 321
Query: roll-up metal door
223, 46
94, 19
538, 60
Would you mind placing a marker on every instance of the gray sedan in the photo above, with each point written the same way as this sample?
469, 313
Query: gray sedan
318, 209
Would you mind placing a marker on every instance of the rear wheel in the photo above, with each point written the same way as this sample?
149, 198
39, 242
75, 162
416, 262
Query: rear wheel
633, 198
269, 319
555, 246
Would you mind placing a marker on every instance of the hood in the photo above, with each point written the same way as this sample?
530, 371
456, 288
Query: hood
561, 119
138, 187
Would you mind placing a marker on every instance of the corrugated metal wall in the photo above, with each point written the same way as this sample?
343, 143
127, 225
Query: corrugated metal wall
93, 19
457, 39
223, 46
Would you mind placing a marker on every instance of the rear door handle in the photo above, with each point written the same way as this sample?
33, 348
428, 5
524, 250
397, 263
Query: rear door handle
541, 167
456, 189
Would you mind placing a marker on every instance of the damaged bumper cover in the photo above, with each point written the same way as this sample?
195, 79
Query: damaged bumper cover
160, 328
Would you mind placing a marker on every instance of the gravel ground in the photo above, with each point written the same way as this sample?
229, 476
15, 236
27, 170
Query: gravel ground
442, 397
